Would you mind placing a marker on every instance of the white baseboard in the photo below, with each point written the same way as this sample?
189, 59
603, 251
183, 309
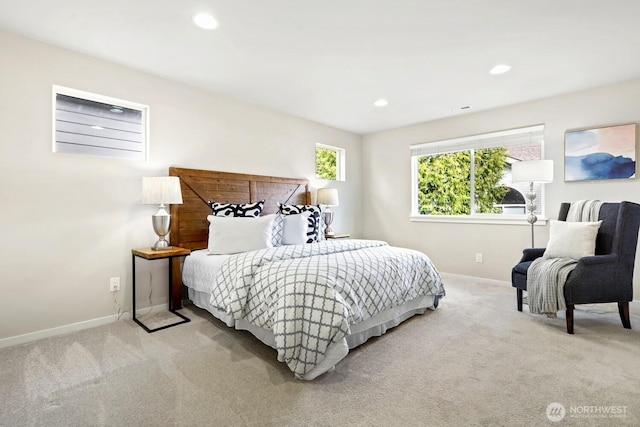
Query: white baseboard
476, 279
149, 310
48, 333
634, 302
65, 329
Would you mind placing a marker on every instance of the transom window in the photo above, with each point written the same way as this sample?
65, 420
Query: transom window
471, 176
87, 123
330, 162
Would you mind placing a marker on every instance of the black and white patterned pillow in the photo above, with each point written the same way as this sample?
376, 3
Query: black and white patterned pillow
237, 209
315, 225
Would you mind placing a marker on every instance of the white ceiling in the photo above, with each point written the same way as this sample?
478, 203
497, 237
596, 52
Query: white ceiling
328, 60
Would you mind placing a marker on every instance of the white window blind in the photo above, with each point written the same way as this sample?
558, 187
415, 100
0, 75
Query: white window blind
96, 125
495, 139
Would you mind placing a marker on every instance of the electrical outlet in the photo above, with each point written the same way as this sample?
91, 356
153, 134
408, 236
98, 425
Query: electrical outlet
478, 257
114, 284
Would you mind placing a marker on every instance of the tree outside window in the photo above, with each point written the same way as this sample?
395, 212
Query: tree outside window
445, 182
330, 162
475, 178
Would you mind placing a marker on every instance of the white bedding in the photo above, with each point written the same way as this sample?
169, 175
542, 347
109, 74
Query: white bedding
364, 288
200, 269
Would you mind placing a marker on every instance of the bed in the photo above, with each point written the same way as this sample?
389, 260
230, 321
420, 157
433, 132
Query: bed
274, 275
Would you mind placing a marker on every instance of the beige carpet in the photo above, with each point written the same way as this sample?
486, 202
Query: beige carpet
474, 361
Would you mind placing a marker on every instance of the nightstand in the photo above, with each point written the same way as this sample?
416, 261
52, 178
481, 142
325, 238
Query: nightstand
338, 236
151, 254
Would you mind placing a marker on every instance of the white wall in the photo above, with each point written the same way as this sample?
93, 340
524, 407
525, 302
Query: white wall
69, 222
452, 247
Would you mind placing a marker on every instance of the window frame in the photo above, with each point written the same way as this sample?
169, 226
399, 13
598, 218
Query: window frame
340, 161
488, 140
94, 97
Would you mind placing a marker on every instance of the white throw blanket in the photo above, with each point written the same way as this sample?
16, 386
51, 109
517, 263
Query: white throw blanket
546, 276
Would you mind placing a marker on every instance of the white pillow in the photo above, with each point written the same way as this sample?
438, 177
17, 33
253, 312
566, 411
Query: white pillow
295, 229
572, 239
230, 235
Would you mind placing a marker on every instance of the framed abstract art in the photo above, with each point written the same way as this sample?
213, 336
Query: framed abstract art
600, 153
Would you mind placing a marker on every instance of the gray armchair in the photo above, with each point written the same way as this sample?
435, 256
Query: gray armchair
603, 278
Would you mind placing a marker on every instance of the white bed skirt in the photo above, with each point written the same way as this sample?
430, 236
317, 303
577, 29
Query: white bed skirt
360, 332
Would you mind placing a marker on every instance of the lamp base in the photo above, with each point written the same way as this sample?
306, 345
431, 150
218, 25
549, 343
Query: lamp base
328, 219
161, 221
531, 207
162, 245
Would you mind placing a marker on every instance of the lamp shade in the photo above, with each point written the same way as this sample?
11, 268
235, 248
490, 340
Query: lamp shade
532, 171
328, 196
161, 190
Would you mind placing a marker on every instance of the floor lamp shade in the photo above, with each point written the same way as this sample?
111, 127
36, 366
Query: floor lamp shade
328, 197
161, 190
532, 171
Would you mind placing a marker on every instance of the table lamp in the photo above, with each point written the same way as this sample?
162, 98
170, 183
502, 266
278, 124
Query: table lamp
161, 190
328, 197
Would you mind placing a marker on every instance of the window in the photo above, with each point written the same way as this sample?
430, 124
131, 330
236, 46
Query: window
471, 176
330, 162
86, 123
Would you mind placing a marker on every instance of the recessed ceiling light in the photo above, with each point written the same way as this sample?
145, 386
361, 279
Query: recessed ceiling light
381, 103
500, 69
205, 21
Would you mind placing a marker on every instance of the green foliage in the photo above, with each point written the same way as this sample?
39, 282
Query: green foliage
489, 166
444, 182
326, 166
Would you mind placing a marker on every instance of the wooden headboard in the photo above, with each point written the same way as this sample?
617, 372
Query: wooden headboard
189, 225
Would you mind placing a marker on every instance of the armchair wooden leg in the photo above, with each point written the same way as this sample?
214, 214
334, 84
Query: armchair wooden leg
519, 298
623, 309
570, 308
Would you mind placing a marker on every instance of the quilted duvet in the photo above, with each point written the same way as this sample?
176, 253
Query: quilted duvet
309, 295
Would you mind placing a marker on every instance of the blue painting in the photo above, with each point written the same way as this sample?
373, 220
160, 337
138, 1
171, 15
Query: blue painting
601, 153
